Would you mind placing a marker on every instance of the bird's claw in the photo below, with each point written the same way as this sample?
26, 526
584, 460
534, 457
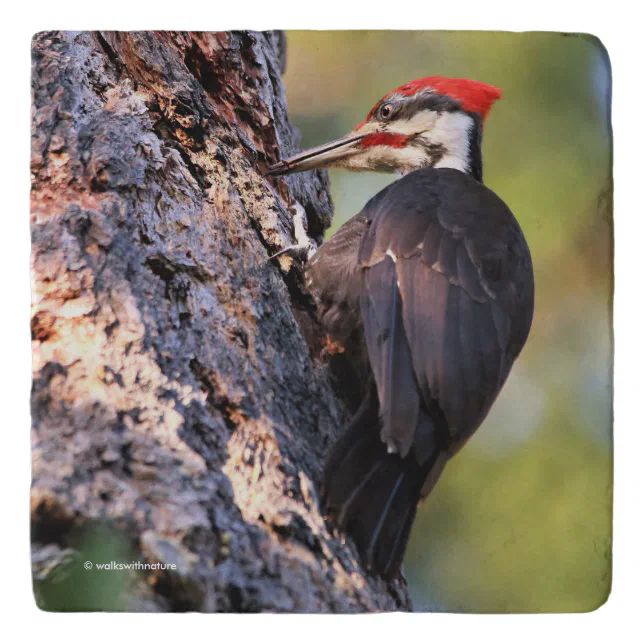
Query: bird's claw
304, 247
296, 250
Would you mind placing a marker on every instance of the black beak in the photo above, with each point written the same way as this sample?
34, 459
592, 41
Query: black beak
321, 157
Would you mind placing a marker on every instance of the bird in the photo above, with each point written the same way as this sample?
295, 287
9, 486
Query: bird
430, 287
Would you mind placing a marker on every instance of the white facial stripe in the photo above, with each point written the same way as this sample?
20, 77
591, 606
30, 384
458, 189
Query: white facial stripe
452, 131
423, 121
382, 158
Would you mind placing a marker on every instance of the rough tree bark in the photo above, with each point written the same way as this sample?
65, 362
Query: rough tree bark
179, 394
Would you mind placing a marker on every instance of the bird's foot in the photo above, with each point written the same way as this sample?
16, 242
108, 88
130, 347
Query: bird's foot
304, 247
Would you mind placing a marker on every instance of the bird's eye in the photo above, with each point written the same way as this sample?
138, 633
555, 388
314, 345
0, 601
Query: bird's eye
386, 110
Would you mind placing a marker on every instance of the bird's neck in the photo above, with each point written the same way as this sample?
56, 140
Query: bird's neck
460, 137
475, 154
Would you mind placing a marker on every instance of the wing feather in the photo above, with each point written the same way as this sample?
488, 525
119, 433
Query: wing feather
442, 316
447, 258
390, 355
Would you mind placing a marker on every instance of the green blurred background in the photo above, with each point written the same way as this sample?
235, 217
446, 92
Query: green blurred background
521, 519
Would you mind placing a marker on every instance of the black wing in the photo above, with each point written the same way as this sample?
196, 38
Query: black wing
446, 301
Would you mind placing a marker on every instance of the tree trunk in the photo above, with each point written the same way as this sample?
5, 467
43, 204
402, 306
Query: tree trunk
181, 404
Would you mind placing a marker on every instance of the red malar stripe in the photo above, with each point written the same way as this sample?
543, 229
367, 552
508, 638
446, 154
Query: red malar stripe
384, 138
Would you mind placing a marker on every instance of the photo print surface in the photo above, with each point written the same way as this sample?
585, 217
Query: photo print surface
321, 321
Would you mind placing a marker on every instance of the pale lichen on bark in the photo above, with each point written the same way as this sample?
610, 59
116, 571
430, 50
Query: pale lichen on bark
178, 396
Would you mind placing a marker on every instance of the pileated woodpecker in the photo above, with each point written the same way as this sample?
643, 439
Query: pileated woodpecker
433, 278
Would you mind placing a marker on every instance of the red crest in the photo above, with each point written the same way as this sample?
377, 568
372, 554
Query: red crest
472, 95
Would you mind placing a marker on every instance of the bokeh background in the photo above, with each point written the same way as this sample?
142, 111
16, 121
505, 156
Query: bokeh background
521, 519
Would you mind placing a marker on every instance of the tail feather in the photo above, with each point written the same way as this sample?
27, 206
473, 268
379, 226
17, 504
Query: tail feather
392, 563
373, 494
366, 415
361, 483
384, 515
